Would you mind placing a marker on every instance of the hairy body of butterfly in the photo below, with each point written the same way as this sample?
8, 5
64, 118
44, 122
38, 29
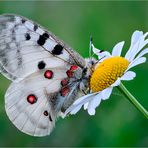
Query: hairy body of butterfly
47, 76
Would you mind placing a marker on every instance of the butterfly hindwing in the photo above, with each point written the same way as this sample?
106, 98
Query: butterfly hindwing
29, 103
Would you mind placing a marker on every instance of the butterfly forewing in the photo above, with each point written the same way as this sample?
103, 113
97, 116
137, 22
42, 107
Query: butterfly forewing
24, 44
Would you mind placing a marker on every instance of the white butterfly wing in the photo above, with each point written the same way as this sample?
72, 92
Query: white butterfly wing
28, 102
37, 62
24, 44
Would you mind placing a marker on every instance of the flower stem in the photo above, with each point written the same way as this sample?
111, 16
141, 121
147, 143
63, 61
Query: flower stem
133, 100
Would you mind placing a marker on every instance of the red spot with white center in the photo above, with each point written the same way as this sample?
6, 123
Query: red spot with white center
48, 74
65, 91
64, 82
73, 67
32, 99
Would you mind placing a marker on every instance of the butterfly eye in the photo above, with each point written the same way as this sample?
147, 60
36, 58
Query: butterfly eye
32, 99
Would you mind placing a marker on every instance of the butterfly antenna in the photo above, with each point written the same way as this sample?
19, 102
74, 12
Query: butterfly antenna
90, 46
90, 49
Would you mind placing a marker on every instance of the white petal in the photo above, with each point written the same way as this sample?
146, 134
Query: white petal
137, 62
91, 111
102, 59
117, 49
138, 47
106, 93
130, 75
143, 52
81, 99
76, 106
143, 43
137, 39
133, 51
116, 83
95, 50
145, 35
76, 109
94, 102
103, 55
86, 105
135, 36
100, 53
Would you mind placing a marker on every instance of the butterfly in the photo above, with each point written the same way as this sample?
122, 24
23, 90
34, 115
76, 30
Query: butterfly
47, 75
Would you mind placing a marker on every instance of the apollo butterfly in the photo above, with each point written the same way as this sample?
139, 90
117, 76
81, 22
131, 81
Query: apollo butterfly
47, 75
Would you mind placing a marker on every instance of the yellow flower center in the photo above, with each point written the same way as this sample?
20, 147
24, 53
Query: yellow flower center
107, 72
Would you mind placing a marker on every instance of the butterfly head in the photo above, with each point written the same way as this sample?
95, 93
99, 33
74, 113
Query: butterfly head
90, 66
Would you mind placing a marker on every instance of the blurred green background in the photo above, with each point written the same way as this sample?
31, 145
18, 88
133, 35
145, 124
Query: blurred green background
117, 122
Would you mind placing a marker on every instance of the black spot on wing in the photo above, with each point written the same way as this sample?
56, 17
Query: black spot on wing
23, 21
41, 65
42, 39
45, 113
35, 27
27, 36
50, 118
57, 49
19, 58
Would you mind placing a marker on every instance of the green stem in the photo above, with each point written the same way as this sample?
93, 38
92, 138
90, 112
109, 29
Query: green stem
133, 100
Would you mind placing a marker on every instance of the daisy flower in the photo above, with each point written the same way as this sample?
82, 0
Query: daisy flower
110, 71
